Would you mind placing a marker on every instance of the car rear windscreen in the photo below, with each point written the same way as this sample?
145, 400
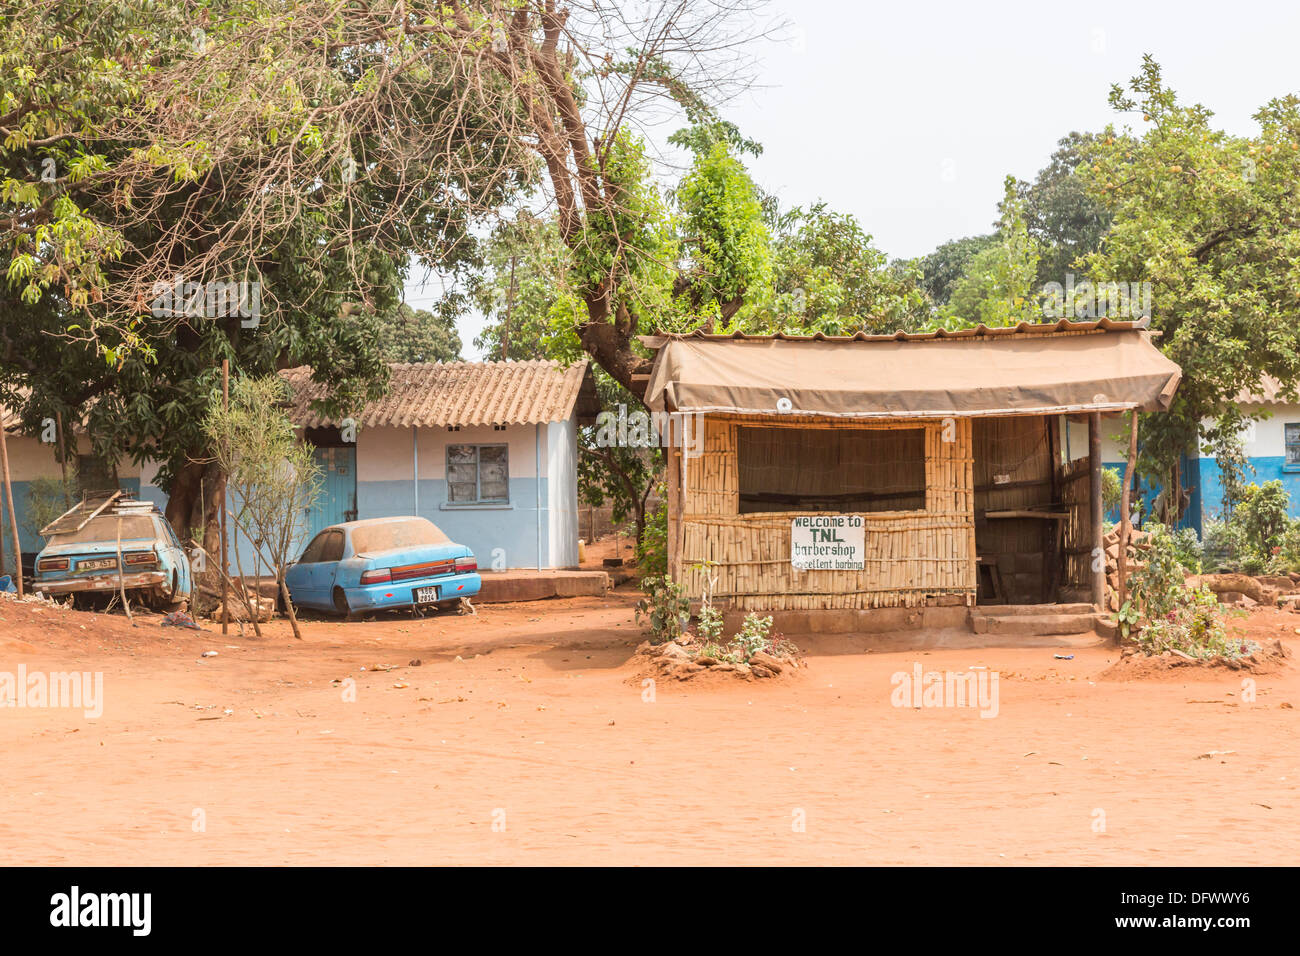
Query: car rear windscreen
104, 528
396, 534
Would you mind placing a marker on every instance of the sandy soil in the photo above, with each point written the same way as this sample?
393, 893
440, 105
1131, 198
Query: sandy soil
523, 737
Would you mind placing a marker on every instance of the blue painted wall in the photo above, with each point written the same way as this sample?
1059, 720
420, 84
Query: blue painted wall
1192, 478
1266, 469
31, 542
512, 528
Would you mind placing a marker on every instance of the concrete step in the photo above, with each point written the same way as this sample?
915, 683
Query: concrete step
501, 587
1037, 625
1030, 610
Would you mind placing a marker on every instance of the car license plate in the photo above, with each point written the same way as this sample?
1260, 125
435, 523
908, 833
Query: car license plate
97, 564
427, 595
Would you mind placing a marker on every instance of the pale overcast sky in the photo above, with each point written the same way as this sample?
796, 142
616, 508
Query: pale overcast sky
909, 115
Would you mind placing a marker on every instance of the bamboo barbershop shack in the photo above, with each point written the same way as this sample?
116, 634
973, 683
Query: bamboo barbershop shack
897, 471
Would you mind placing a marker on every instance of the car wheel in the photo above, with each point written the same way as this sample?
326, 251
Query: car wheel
170, 600
341, 605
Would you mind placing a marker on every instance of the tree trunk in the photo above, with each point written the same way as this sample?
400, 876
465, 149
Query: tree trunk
194, 501
288, 603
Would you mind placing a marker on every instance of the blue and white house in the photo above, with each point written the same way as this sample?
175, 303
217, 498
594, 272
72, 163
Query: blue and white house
1271, 442
33, 459
487, 451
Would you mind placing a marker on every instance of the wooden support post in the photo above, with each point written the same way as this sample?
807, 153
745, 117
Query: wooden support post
1098, 513
9, 505
1053, 531
63, 459
1125, 507
225, 557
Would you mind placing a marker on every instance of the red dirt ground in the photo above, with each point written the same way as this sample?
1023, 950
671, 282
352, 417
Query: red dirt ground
539, 729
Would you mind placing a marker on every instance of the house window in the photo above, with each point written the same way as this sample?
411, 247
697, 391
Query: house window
831, 469
95, 474
477, 474
1293, 444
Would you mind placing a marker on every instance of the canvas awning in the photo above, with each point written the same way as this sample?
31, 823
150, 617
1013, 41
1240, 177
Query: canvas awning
1023, 370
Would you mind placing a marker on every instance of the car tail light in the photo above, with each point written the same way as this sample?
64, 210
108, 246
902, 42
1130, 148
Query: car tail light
377, 576
140, 557
428, 569
52, 564
466, 564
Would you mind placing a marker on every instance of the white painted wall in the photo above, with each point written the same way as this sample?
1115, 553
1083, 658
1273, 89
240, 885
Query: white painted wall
1265, 438
434, 442
1074, 439
386, 454
561, 465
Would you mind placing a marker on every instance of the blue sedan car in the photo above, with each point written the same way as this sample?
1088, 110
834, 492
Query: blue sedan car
381, 563
81, 556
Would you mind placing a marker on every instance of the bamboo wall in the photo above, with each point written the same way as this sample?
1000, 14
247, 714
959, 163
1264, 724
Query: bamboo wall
911, 556
1076, 495
1013, 471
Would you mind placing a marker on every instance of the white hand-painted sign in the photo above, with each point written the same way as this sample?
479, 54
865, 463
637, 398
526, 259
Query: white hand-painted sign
827, 543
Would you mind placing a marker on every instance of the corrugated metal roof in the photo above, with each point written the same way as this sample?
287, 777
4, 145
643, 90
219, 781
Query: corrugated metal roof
457, 393
1064, 326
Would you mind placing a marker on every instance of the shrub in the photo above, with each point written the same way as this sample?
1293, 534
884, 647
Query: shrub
710, 622
1224, 546
652, 549
1189, 550
1288, 554
1264, 518
755, 635
1112, 490
1167, 614
1195, 627
47, 498
664, 608
1158, 586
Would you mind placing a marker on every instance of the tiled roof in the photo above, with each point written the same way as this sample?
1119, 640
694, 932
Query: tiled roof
10, 419
1269, 392
459, 393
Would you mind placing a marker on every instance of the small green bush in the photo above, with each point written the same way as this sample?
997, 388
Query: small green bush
1112, 490
1164, 614
1264, 517
652, 549
1188, 550
1224, 546
755, 635
709, 627
1288, 553
664, 609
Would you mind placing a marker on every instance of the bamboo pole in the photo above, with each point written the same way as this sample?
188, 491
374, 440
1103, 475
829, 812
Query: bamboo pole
9, 505
225, 556
1125, 525
63, 458
121, 574
1098, 515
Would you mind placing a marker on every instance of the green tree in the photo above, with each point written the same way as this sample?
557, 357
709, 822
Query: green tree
996, 287
941, 269
725, 246
419, 335
1061, 215
1212, 221
273, 476
828, 277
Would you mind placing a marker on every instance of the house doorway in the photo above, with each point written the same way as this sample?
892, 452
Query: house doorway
338, 498
1021, 520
